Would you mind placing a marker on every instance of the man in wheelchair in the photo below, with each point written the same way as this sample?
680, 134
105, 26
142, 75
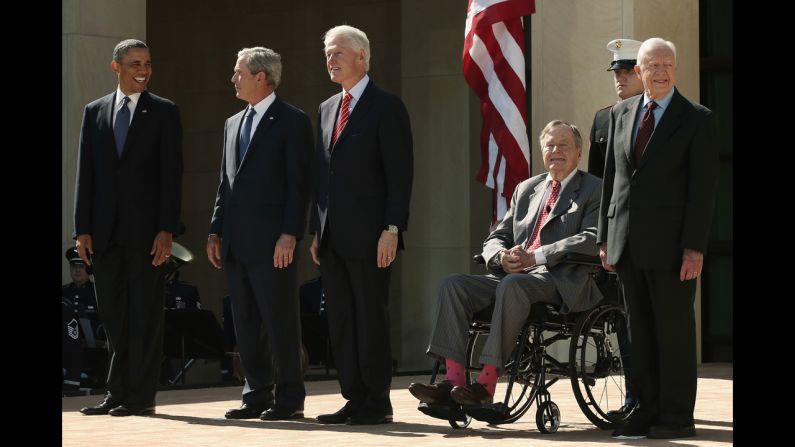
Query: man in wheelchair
551, 215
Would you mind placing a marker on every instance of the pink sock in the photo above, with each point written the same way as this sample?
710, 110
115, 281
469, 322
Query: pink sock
488, 378
455, 372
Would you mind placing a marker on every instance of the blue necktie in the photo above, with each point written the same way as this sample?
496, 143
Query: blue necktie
245, 135
122, 125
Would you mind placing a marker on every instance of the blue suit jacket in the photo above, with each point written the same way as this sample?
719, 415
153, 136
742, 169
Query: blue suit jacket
266, 193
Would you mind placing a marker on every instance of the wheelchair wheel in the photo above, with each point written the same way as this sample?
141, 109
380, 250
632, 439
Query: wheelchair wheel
596, 370
548, 417
455, 423
509, 406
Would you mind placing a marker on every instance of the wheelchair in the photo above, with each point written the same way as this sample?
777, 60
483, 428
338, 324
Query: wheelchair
593, 365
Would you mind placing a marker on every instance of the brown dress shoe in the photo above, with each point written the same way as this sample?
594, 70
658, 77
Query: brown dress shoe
431, 394
473, 394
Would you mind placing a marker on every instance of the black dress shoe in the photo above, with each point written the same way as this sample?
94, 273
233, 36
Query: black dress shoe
247, 411
620, 414
635, 428
132, 410
339, 417
666, 431
370, 419
431, 394
103, 408
474, 394
281, 413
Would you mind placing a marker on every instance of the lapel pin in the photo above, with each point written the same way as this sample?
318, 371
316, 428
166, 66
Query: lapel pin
144, 111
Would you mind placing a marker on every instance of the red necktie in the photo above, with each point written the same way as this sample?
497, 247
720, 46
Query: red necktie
535, 240
644, 132
343, 118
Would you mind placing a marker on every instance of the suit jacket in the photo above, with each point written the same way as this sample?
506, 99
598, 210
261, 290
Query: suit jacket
598, 147
364, 181
570, 228
668, 200
140, 192
266, 194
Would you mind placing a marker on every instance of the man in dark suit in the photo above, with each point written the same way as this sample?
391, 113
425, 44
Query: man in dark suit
127, 205
364, 174
627, 84
658, 195
551, 215
260, 213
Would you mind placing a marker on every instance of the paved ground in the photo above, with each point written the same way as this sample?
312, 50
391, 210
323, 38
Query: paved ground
195, 418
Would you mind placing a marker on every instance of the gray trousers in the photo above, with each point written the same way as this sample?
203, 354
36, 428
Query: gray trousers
460, 296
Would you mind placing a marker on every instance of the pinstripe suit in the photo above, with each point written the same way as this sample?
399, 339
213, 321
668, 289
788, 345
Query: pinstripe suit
570, 228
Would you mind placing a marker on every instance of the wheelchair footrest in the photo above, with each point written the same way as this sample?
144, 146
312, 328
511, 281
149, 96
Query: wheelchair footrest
495, 413
443, 411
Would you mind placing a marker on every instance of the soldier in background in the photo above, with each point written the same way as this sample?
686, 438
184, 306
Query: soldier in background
80, 320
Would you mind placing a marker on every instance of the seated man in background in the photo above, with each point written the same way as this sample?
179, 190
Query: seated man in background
551, 215
80, 320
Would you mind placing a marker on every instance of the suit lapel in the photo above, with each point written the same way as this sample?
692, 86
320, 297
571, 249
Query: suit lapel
628, 125
566, 198
533, 209
232, 142
106, 123
328, 117
669, 123
139, 119
363, 104
262, 128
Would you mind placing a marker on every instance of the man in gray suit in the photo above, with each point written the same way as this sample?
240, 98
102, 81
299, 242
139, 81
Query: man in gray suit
551, 215
660, 180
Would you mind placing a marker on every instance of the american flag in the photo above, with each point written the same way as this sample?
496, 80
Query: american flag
494, 68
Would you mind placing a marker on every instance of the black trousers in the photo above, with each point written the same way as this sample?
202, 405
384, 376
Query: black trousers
357, 296
130, 299
265, 311
662, 327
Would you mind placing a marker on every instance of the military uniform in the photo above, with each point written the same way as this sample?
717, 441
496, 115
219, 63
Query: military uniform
81, 327
598, 147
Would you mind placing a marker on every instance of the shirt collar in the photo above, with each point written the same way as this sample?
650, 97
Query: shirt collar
120, 97
358, 89
662, 104
565, 180
262, 106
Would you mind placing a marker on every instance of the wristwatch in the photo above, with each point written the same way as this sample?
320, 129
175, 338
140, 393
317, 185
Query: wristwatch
393, 229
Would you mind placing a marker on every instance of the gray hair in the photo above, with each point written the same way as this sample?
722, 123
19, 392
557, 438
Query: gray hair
126, 45
652, 44
554, 123
356, 38
261, 59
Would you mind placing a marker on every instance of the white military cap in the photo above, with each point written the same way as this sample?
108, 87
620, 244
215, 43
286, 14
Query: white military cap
625, 53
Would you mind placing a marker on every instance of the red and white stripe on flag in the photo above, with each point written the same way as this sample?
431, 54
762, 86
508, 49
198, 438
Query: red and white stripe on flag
494, 68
